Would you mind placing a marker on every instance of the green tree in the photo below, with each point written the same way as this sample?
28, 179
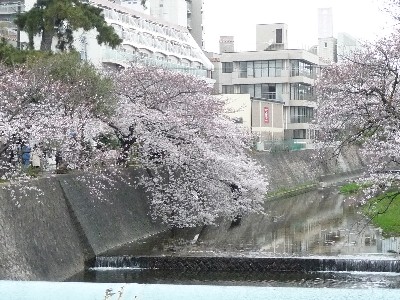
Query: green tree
60, 18
92, 88
11, 56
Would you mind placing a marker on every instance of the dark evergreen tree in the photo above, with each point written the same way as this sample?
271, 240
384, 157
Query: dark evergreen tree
60, 18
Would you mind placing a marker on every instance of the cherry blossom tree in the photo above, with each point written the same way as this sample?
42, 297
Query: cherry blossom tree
24, 108
196, 163
43, 106
359, 104
192, 160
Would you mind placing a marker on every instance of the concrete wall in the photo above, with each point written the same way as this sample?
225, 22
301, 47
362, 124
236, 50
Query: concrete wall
289, 169
47, 232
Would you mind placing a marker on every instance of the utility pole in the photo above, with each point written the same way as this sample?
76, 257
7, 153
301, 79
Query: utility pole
18, 31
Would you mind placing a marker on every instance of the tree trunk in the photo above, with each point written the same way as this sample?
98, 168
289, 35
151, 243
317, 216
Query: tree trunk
47, 39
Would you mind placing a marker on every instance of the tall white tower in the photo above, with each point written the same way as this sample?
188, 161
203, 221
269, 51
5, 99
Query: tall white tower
195, 20
325, 23
327, 44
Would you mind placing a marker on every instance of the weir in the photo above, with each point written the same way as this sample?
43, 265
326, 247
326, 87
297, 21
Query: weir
246, 264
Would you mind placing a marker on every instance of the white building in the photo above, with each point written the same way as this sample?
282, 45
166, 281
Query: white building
279, 84
271, 36
325, 22
327, 50
345, 45
327, 44
186, 13
195, 10
172, 11
146, 39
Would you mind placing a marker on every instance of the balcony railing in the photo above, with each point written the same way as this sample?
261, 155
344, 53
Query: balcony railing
281, 145
268, 95
125, 58
302, 72
11, 8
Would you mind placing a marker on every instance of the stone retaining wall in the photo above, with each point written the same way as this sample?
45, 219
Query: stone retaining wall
50, 231
47, 232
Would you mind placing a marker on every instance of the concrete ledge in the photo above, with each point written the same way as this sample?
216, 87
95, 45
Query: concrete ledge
246, 264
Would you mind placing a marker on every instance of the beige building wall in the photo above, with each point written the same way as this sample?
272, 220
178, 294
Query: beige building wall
267, 120
238, 107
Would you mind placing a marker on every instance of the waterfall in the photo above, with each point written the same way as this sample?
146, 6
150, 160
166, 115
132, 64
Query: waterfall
250, 264
121, 262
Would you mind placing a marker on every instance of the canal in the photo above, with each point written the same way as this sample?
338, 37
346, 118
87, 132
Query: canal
320, 224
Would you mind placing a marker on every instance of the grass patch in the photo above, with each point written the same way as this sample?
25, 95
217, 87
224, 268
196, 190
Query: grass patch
352, 188
32, 171
289, 191
384, 210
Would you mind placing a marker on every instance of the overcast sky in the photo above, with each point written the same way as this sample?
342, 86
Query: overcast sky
362, 19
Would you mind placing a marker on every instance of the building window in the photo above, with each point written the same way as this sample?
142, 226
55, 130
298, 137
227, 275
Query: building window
243, 69
268, 91
301, 91
299, 134
301, 114
267, 68
227, 67
326, 45
279, 39
301, 68
250, 69
227, 89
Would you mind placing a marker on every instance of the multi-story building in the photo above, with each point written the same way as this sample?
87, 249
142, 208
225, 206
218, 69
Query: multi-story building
186, 13
8, 11
279, 82
195, 20
146, 39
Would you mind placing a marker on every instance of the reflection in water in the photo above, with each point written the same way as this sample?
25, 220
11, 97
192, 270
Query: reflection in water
320, 222
317, 223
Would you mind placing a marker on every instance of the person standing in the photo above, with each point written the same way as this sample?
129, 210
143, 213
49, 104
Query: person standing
26, 155
35, 157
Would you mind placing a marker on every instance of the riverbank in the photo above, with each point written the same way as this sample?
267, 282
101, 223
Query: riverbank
50, 230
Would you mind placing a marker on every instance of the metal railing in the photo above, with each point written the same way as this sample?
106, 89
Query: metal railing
11, 8
280, 145
124, 58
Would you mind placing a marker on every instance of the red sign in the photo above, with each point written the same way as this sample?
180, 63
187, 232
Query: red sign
266, 114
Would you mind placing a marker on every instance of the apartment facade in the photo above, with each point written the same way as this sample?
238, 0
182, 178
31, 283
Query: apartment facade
8, 11
146, 39
280, 87
186, 13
